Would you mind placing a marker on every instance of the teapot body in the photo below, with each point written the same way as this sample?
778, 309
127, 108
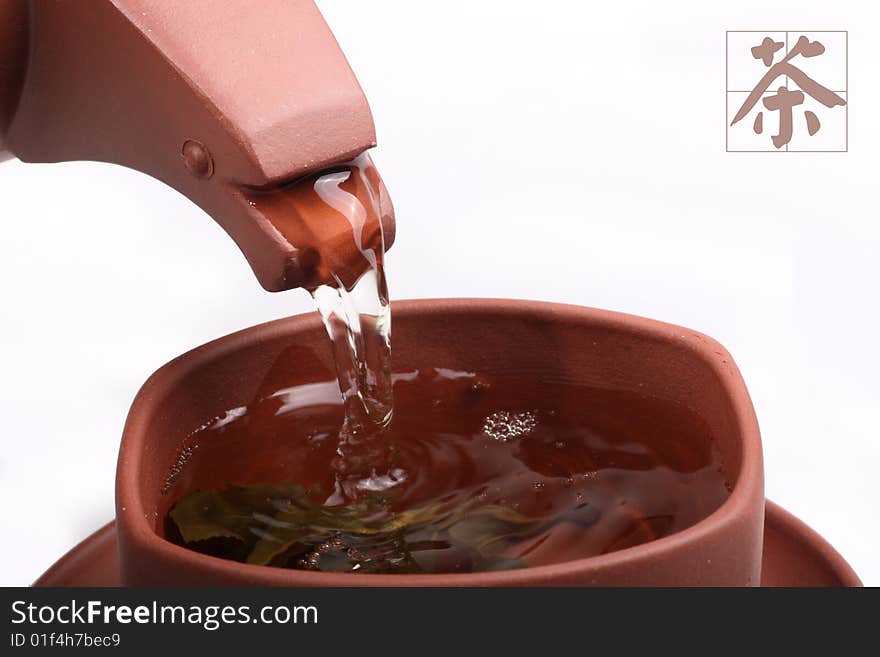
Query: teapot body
13, 61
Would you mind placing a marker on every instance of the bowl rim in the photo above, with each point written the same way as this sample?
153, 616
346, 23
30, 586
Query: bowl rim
137, 531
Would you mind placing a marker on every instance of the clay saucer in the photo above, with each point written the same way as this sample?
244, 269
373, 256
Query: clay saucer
794, 555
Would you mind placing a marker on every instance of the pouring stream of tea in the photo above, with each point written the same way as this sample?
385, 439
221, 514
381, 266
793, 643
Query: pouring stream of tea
335, 219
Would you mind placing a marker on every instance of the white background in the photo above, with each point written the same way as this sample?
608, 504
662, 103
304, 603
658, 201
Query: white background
565, 151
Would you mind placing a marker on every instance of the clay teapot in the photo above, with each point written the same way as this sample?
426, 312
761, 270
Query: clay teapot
252, 99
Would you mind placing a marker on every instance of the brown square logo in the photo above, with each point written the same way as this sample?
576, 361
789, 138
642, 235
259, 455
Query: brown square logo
787, 91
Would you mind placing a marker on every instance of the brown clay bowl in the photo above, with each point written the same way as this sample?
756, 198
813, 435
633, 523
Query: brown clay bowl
528, 340
794, 556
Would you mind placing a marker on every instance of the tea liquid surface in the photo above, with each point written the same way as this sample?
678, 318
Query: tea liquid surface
474, 474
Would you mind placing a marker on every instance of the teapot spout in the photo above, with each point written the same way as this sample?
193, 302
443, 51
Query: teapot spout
209, 96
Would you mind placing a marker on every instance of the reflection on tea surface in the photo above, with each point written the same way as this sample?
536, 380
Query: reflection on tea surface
472, 474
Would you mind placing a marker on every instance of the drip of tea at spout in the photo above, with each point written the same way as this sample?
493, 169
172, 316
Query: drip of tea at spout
335, 219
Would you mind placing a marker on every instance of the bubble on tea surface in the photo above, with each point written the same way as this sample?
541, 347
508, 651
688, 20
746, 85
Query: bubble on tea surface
180, 463
505, 426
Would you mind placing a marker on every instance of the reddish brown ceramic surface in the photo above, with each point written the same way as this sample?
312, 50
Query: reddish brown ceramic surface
515, 339
13, 58
257, 95
794, 555
93, 562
